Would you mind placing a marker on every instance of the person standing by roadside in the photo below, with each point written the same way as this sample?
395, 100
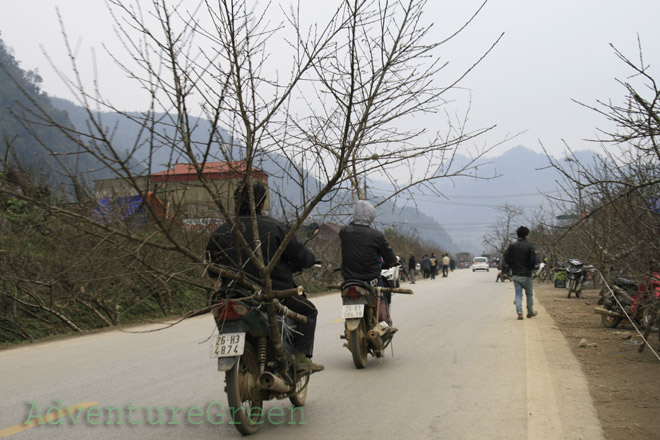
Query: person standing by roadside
434, 265
425, 265
445, 265
411, 267
520, 256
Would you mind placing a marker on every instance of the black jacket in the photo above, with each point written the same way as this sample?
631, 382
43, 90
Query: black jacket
521, 258
361, 250
222, 249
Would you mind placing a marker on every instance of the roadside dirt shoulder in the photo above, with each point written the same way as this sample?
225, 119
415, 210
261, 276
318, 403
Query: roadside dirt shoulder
624, 384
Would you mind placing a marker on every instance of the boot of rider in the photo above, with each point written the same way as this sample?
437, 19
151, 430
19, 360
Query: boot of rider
304, 363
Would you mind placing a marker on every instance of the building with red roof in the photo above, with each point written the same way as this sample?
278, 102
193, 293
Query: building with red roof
191, 193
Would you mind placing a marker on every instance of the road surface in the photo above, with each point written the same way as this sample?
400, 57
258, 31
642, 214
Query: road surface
463, 368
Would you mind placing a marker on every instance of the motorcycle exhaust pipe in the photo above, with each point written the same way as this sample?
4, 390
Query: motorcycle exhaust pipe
375, 336
602, 311
271, 382
375, 339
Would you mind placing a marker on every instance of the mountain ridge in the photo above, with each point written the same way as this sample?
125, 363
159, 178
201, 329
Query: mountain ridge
455, 221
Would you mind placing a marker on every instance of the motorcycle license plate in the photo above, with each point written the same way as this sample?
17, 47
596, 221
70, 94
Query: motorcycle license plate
228, 344
352, 311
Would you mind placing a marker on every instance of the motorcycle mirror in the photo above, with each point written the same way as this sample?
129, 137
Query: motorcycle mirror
311, 231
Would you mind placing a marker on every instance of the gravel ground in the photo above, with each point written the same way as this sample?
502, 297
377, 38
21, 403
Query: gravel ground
624, 384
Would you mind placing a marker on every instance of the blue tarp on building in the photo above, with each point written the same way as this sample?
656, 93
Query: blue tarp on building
128, 209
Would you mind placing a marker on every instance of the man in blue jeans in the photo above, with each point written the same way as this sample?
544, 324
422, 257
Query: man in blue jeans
521, 258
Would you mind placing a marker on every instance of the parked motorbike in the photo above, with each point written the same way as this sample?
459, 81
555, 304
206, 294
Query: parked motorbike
368, 327
617, 302
650, 305
540, 272
651, 319
576, 274
626, 297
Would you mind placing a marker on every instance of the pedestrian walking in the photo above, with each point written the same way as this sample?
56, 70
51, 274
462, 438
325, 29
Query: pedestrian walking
434, 265
445, 265
521, 258
425, 264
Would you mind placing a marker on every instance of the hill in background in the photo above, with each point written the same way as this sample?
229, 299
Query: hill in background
456, 222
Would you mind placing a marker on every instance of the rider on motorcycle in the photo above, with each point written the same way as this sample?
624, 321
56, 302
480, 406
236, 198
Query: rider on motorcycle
223, 249
364, 250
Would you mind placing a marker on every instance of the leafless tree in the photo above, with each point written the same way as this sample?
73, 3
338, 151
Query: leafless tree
614, 198
329, 120
504, 231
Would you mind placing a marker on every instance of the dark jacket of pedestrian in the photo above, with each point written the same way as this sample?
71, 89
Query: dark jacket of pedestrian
521, 258
412, 264
425, 264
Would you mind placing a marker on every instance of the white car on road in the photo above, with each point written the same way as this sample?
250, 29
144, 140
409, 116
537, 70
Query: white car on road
480, 263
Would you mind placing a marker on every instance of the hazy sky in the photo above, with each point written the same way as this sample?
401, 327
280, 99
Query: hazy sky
552, 52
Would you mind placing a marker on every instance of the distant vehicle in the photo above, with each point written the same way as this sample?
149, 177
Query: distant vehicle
480, 263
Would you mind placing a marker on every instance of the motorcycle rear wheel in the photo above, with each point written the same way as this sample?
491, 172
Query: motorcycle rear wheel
299, 398
243, 395
571, 287
610, 321
359, 345
650, 318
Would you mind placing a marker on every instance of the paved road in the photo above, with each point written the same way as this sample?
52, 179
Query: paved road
463, 368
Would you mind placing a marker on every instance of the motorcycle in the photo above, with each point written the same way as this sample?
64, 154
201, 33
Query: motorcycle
541, 272
651, 318
254, 348
625, 297
368, 327
576, 273
617, 302
392, 276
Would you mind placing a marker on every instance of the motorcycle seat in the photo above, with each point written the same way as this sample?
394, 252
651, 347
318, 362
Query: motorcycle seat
364, 284
230, 293
625, 283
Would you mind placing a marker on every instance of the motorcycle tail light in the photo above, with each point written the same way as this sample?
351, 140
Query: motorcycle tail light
353, 293
230, 310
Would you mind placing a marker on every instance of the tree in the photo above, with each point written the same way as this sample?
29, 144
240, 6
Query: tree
331, 122
504, 231
615, 196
